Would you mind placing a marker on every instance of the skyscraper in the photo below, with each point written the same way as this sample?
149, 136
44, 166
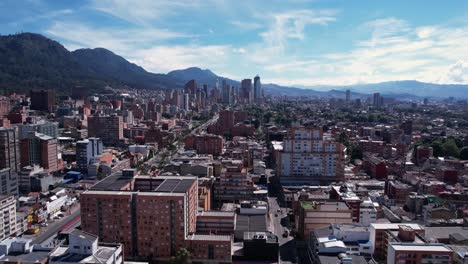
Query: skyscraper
377, 100
257, 89
191, 87
348, 95
246, 91
226, 92
186, 102
9, 149
308, 158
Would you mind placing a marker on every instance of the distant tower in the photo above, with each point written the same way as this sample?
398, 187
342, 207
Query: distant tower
348, 95
257, 89
246, 91
377, 100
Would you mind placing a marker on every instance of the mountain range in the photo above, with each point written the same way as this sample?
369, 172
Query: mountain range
29, 60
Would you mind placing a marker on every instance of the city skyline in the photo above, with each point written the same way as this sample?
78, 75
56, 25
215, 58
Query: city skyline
294, 43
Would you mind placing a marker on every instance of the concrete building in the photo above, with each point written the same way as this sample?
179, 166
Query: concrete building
261, 246
109, 128
419, 253
258, 92
234, 184
43, 100
43, 127
216, 222
86, 150
83, 247
21, 251
24, 177
7, 216
381, 232
8, 182
308, 158
40, 149
246, 93
9, 149
314, 215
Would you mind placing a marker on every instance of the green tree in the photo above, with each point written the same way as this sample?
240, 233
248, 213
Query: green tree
437, 148
450, 148
183, 256
464, 153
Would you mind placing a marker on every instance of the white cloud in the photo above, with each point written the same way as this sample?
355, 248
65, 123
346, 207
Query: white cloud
167, 58
243, 25
143, 11
122, 42
457, 73
291, 25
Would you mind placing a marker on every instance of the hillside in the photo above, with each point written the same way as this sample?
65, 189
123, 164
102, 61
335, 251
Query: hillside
30, 60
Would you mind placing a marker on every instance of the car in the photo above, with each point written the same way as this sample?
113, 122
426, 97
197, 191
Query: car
57, 217
44, 224
61, 215
285, 233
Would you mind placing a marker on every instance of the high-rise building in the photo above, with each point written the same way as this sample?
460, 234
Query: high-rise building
40, 149
191, 87
108, 128
377, 100
43, 100
308, 158
246, 91
86, 150
43, 127
226, 92
186, 102
257, 89
7, 216
348, 95
153, 217
9, 149
8, 182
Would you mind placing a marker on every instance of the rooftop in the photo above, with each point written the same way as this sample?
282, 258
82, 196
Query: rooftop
102, 255
420, 247
209, 238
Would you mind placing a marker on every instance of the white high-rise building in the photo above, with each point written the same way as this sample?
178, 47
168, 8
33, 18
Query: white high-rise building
308, 158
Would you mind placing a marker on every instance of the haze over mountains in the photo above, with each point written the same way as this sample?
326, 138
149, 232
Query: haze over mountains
30, 60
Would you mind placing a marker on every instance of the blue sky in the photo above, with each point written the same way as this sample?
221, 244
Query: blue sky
297, 42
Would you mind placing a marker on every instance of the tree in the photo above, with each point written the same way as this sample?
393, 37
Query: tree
183, 256
450, 148
464, 153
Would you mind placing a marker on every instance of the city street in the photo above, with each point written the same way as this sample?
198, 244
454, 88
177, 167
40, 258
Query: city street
46, 233
279, 222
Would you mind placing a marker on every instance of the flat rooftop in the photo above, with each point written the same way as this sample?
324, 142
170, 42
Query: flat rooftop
113, 182
196, 237
420, 247
102, 255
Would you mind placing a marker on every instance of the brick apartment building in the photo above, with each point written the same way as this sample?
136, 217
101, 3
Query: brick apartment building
108, 128
205, 144
152, 216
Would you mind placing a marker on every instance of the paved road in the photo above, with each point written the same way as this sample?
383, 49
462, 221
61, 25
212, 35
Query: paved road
278, 224
53, 228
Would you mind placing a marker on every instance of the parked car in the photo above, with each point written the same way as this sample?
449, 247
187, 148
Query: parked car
285, 233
